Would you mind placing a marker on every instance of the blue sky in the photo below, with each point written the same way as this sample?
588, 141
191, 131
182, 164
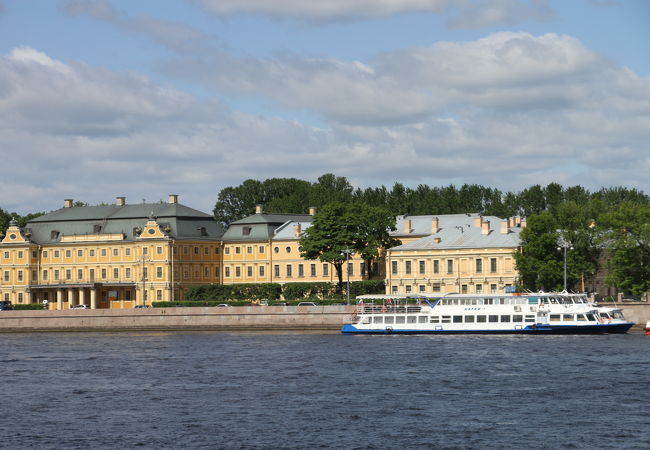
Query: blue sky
109, 98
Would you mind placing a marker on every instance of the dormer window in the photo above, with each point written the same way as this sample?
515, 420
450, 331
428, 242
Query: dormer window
54, 235
204, 231
97, 228
246, 231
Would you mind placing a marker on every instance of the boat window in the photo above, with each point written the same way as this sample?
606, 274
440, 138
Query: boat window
446, 319
481, 319
591, 317
567, 317
518, 318
530, 318
505, 318
378, 319
554, 317
411, 319
487, 301
435, 319
580, 317
422, 319
458, 319
553, 300
493, 318
605, 315
400, 319
619, 315
475, 301
389, 319
366, 320
469, 319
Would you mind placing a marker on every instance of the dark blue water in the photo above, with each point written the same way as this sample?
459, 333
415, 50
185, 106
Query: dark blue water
287, 390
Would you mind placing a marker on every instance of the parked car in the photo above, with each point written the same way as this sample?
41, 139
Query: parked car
80, 307
307, 304
141, 306
5, 305
280, 304
223, 305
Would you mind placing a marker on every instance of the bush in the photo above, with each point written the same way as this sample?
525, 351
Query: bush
26, 306
242, 291
300, 291
367, 287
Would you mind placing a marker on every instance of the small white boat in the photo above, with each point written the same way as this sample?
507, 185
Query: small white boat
530, 313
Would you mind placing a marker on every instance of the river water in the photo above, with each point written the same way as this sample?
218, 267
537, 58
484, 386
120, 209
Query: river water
318, 390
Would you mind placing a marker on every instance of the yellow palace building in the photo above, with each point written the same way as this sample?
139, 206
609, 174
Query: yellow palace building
110, 256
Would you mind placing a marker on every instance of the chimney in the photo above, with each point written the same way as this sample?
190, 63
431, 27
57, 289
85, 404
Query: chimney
67, 203
173, 199
434, 225
477, 221
120, 201
312, 210
407, 225
485, 227
437, 240
297, 229
505, 225
259, 209
523, 223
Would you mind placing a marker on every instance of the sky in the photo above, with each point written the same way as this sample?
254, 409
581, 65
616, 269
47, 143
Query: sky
108, 98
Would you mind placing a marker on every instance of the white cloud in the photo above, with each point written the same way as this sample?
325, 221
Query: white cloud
74, 130
460, 13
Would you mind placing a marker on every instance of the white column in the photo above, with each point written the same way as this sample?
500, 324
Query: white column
93, 298
82, 292
59, 299
70, 298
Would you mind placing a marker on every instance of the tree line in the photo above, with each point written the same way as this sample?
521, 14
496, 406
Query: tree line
606, 229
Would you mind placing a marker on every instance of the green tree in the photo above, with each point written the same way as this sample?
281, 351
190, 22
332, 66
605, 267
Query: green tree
626, 232
538, 261
373, 227
332, 232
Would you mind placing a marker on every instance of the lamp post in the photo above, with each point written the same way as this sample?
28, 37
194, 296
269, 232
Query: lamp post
566, 246
347, 252
143, 259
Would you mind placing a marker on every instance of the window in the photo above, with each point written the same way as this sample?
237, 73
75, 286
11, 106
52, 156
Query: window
45, 275
127, 295
393, 267
393, 289
127, 251
159, 250
408, 289
206, 272
407, 267
493, 265
80, 252
103, 274
6, 275
237, 272
80, 274
493, 318
159, 294
216, 250
505, 318
479, 265
216, 271
145, 251
56, 254
463, 289
91, 274
7, 255
20, 297
517, 318
326, 269
261, 249
127, 273
261, 271
350, 269
56, 275
237, 250
479, 288
103, 252
249, 271
91, 252
206, 250
423, 288
246, 231
435, 287
227, 272
362, 267
450, 266
159, 272
226, 251
6, 297
116, 252
145, 273
312, 270
421, 267
469, 319
276, 270
276, 249
301, 270
288, 249
249, 250
458, 319
567, 317
68, 254
45, 256
288, 270
196, 250
493, 289
116, 274
68, 274
555, 317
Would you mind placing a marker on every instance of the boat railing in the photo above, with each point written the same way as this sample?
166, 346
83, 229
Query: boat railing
387, 309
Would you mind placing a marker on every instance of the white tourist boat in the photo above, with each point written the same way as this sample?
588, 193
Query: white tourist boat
530, 313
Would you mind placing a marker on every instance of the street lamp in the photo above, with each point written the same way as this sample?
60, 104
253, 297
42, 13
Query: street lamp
566, 246
347, 252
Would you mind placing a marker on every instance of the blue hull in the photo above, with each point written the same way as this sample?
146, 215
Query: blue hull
531, 329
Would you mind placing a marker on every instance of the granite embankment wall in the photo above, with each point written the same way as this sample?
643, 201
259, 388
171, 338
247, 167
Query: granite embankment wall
205, 318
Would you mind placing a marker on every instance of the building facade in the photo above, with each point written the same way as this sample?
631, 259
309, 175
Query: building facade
110, 256
463, 253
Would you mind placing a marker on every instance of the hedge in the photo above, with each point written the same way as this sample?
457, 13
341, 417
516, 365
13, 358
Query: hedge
243, 291
27, 306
